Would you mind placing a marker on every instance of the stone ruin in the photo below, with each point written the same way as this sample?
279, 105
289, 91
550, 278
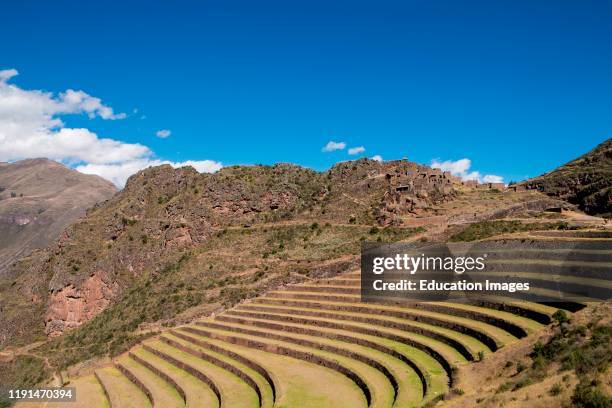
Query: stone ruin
411, 190
483, 186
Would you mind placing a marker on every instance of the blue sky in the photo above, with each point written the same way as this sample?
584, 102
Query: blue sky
517, 87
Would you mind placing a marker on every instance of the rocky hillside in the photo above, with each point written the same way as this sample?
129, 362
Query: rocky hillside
168, 218
175, 244
39, 198
585, 181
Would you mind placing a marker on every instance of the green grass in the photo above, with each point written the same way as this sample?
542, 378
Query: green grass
380, 387
163, 393
409, 393
197, 393
262, 384
122, 393
486, 229
472, 344
407, 379
499, 335
300, 384
234, 391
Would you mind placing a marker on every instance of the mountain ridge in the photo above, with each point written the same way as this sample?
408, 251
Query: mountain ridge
585, 181
38, 199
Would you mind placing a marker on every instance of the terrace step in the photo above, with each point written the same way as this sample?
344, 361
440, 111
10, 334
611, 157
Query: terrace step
594, 270
195, 392
121, 392
297, 383
574, 252
573, 234
466, 345
258, 382
516, 325
425, 371
233, 391
529, 310
493, 337
376, 387
401, 373
446, 355
162, 394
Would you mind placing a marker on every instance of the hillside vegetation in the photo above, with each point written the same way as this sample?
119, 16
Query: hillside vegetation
241, 288
585, 181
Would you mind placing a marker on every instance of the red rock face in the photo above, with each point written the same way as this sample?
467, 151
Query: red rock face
70, 307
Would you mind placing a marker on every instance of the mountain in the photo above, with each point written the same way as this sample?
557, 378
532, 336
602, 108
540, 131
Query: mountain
175, 231
585, 181
39, 198
175, 244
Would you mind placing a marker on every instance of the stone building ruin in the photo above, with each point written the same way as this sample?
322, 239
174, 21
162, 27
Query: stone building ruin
411, 189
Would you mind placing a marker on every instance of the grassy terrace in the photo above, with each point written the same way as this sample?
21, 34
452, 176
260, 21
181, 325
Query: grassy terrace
375, 385
162, 393
467, 346
298, 383
89, 394
446, 355
197, 393
522, 325
122, 393
323, 350
403, 377
418, 374
317, 345
232, 389
254, 379
492, 336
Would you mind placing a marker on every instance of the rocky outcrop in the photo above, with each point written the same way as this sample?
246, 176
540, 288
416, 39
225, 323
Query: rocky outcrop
164, 214
585, 181
70, 306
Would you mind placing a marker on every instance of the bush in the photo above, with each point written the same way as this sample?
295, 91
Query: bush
555, 389
560, 316
504, 387
588, 396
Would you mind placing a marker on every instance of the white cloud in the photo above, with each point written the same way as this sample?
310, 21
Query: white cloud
356, 150
378, 158
332, 146
492, 178
461, 168
7, 74
30, 126
163, 133
79, 102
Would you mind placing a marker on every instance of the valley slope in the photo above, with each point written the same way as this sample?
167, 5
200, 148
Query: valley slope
39, 198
